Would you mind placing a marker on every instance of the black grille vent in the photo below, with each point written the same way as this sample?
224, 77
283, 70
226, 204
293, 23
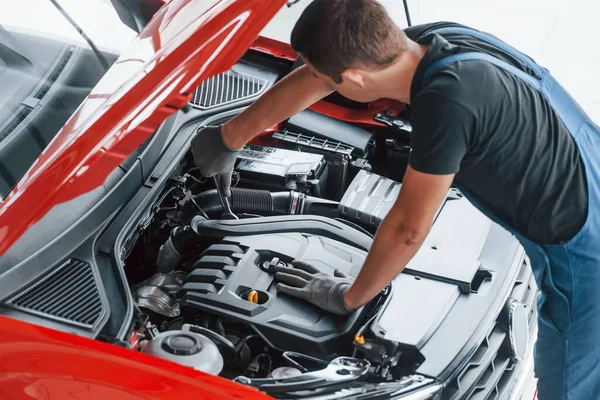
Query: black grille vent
69, 294
489, 373
58, 69
225, 88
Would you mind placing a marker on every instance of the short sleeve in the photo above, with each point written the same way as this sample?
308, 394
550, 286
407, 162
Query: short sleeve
441, 134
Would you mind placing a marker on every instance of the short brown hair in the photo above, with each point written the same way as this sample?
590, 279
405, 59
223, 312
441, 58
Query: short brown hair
335, 35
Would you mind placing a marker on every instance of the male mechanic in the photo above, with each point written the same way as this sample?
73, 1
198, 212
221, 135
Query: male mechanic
486, 118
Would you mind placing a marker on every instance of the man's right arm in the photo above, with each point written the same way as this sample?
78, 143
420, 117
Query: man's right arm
286, 98
215, 149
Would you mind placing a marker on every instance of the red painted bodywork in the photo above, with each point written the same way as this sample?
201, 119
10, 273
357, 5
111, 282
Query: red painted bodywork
44, 364
362, 117
186, 42
274, 48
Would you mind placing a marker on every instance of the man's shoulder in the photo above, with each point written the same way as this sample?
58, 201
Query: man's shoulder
452, 81
467, 84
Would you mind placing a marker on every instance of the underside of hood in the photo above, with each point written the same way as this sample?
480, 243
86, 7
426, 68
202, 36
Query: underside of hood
184, 43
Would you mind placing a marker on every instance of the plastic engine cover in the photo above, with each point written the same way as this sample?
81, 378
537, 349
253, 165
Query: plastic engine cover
225, 274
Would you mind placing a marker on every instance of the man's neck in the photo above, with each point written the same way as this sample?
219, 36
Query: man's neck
396, 80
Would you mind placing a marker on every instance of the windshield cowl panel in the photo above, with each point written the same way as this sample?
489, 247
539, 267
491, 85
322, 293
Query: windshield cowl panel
186, 42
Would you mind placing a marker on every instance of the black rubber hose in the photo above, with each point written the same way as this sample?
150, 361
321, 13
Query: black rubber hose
252, 201
243, 201
215, 337
246, 201
240, 344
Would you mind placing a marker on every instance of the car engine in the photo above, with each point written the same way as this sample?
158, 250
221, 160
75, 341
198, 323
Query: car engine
234, 279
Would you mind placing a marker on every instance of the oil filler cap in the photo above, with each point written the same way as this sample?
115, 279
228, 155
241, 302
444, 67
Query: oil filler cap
253, 296
182, 345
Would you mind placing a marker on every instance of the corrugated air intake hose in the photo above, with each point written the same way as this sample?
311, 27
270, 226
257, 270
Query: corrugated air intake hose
265, 203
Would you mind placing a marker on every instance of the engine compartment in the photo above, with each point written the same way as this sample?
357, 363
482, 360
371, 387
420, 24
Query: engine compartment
205, 290
195, 274
177, 280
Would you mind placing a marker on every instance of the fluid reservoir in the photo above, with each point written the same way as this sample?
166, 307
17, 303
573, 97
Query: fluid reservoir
187, 348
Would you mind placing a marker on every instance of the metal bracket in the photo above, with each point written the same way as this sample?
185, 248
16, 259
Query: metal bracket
392, 121
454, 194
340, 370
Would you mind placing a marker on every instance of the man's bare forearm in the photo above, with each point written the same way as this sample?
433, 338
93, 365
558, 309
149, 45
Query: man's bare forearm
394, 246
400, 235
288, 97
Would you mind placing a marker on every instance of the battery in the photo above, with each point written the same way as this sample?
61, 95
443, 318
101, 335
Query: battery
273, 168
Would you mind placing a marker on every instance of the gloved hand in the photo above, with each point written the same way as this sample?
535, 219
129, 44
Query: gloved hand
308, 283
213, 156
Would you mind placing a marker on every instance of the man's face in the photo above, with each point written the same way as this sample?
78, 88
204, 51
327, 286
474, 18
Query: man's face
354, 87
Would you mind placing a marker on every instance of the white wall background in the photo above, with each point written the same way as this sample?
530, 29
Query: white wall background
563, 36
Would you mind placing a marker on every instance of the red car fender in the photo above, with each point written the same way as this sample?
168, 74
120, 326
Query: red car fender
43, 364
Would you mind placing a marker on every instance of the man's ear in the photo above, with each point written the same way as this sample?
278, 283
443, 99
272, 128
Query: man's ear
353, 76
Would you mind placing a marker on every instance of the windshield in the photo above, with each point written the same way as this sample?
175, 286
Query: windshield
47, 69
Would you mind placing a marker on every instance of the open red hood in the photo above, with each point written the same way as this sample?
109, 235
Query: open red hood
186, 42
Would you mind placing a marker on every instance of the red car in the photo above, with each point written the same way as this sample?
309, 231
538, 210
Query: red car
122, 276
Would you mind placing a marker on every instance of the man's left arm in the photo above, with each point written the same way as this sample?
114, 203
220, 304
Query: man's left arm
400, 234
443, 131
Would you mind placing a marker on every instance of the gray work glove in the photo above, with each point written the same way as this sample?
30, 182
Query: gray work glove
308, 283
213, 156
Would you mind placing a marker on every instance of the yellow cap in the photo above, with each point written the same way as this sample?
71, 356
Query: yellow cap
360, 339
253, 297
